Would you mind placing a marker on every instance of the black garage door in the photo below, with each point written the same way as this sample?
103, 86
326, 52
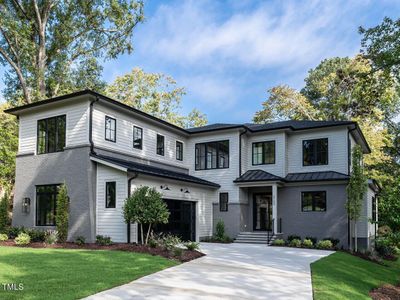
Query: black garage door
182, 220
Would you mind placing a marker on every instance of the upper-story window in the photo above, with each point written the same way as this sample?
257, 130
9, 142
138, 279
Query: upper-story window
212, 155
111, 128
51, 134
264, 153
315, 152
160, 144
179, 150
137, 137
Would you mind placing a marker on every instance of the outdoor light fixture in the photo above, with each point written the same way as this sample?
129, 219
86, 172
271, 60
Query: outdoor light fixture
164, 187
26, 205
185, 190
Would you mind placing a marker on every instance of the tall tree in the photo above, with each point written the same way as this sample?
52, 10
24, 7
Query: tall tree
51, 47
156, 94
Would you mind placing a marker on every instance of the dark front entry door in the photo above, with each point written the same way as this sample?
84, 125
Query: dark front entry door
182, 220
262, 212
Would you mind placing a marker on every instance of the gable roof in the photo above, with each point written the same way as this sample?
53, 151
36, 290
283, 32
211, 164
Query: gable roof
153, 171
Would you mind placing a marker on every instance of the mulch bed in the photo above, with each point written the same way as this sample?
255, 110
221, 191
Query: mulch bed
187, 255
386, 292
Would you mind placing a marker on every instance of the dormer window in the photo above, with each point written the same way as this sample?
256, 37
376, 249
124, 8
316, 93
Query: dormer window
110, 129
51, 134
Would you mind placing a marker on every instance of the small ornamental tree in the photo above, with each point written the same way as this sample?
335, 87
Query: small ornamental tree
356, 190
62, 213
145, 207
4, 217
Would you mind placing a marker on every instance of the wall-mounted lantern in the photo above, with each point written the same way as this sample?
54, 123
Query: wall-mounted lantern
185, 190
26, 205
164, 187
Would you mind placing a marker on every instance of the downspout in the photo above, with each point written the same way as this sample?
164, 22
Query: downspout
91, 125
240, 152
128, 231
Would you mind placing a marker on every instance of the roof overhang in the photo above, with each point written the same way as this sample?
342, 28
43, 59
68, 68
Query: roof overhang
108, 164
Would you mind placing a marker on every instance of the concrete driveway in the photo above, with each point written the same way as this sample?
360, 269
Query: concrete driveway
231, 271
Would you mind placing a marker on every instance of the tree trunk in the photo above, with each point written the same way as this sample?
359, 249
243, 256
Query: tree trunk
141, 233
355, 236
351, 235
148, 234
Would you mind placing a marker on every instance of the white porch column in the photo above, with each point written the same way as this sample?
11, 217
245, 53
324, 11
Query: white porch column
275, 206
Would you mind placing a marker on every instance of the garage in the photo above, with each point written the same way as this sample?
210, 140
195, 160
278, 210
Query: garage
182, 220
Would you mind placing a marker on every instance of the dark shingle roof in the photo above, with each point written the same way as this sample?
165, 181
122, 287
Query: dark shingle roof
295, 125
257, 175
212, 127
154, 171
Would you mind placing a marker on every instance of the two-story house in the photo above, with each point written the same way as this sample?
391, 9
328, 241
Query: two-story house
281, 178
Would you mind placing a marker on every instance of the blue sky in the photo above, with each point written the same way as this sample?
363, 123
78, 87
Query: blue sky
227, 54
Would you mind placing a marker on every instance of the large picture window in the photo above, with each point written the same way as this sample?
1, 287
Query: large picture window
110, 129
51, 134
264, 153
110, 194
179, 150
160, 144
137, 137
223, 201
313, 201
315, 152
212, 155
46, 196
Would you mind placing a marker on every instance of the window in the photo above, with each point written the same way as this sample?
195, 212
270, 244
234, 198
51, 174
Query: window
179, 150
137, 137
51, 135
374, 209
313, 201
212, 155
111, 125
315, 152
110, 194
160, 144
46, 204
223, 201
264, 153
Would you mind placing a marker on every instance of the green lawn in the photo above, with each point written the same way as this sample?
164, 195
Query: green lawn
344, 276
71, 274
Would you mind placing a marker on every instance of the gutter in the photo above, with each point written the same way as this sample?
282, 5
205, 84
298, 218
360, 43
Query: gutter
91, 125
240, 151
128, 225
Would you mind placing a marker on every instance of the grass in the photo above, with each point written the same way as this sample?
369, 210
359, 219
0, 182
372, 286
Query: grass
71, 274
344, 276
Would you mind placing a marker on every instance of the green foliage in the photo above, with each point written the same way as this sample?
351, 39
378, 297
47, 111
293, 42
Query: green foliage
3, 237
278, 242
384, 230
22, 239
145, 207
80, 240
13, 232
295, 243
308, 243
177, 252
4, 214
385, 247
312, 239
62, 213
324, 244
389, 206
334, 241
192, 246
153, 243
293, 237
170, 242
220, 230
156, 94
51, 237
103, 240
36, 235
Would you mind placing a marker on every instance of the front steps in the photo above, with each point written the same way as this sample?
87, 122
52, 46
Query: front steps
257, 237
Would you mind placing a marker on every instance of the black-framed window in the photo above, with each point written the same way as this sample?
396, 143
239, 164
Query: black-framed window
313, 201
315, 152
212, 155
264, 153
179, 150
374, 209
137, 137
223, 201
51, 133
110, 129
160, 144
46, 198
110, 194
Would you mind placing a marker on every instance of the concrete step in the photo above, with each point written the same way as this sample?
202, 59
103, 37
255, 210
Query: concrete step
251, 242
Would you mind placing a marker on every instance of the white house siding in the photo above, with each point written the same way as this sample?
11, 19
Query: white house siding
278, 168
110, 221
77, 132
223, 177
124, 137
203, 197
337, 150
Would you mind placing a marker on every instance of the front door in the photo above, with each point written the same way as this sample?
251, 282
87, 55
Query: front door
262, 212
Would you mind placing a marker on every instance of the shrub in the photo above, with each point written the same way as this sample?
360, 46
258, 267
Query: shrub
22, 239
278, 242
313, 239
307, 243
324, 244
295, 243
293, 237
4, 216
192, 246
13, 232
3, 237
103, 240
384, 230
220, 230
169, 242
62, 213
177, 251
384, 247
334, 241
36, 235
80, 240
51, 237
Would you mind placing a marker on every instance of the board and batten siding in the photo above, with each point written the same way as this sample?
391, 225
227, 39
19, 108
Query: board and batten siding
224, 177
124, 137
77, 127
337, 150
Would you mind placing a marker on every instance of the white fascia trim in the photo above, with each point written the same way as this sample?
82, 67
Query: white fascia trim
106, 163
257, 183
